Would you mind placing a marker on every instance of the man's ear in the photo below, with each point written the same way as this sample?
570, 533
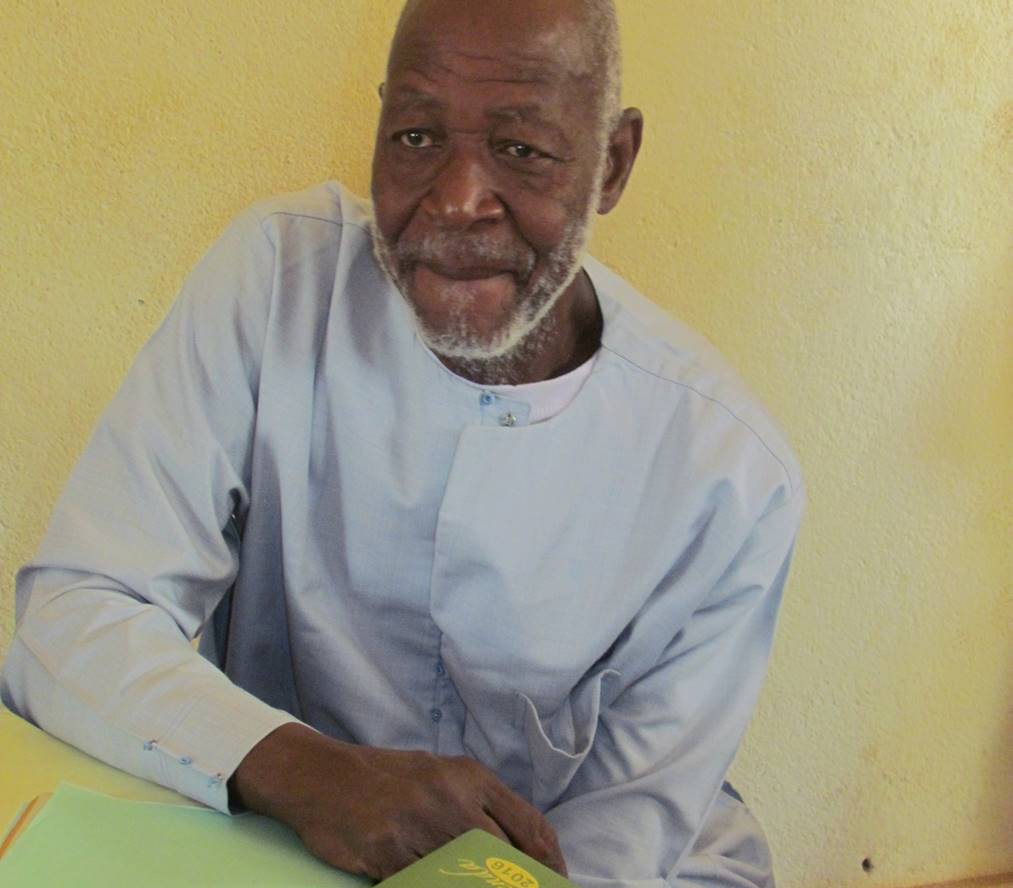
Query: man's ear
623, 147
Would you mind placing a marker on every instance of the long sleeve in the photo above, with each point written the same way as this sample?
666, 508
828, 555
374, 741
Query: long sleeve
639, 801
143, 545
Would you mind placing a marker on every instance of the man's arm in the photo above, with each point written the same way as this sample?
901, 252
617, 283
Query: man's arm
638, 802
143, 545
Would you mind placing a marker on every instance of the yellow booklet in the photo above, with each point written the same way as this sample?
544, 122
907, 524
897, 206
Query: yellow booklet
476, 860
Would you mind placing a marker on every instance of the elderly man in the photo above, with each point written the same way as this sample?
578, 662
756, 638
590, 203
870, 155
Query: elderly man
471, 534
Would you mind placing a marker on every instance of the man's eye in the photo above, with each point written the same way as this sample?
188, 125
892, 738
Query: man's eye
522, 151
415, 139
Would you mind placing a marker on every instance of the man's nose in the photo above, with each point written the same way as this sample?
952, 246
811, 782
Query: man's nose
463, 193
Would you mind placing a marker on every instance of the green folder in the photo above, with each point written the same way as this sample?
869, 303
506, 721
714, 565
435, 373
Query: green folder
86, 839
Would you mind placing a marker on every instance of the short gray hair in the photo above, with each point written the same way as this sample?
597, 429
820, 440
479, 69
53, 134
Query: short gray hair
606, 55
601, 30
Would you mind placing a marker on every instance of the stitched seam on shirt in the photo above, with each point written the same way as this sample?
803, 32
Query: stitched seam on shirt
268, 288
713, 400
786, 504
338, 222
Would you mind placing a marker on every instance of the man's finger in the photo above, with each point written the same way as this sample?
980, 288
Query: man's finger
526, 829
390, 867
492, 827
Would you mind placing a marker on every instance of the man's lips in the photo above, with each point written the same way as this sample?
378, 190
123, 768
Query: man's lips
440, 284
465, 272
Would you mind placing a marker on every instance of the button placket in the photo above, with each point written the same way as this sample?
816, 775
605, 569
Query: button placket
436, 712
503, 412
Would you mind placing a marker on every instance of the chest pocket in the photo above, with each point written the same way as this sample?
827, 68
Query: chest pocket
538, 753
556, 744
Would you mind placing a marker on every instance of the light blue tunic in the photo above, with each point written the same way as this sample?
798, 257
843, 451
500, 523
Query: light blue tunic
586, 605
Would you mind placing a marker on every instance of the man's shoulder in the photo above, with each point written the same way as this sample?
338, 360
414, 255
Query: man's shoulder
679, 362
329, 204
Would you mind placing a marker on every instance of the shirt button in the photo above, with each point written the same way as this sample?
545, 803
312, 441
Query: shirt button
186, 760
508, 420
435, 714
441, 669
486, 399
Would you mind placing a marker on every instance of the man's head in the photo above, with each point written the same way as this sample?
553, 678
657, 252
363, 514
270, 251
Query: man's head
500, 137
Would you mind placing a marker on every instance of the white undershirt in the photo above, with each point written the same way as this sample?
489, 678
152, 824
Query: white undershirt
549, 396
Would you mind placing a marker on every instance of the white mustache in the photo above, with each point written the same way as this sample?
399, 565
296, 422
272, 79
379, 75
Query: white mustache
456, 250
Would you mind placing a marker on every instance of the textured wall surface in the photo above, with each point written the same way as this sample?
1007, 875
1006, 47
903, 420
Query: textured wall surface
824, 191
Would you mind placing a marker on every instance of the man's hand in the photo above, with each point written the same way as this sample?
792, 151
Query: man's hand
374, 811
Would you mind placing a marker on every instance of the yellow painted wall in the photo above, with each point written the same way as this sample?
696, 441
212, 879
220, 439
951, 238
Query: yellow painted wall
824, 190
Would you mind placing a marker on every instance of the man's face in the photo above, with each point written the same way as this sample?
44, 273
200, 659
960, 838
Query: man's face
486, 168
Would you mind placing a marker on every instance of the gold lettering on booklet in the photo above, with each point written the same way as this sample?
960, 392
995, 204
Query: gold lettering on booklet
497, 872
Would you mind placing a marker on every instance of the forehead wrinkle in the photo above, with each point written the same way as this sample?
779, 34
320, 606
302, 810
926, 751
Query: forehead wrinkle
518, 112
530, 114
420, 53
404, 97
483, 57
428, 67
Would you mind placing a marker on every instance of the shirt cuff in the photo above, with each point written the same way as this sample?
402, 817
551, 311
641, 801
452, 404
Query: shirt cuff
197, 756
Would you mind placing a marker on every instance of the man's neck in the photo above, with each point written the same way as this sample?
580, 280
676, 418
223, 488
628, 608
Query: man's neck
567, 337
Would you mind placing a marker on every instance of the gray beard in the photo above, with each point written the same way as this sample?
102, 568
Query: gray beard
502, 359
511, 367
